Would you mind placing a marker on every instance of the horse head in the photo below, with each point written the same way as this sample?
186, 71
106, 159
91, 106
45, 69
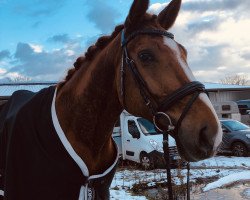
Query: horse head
155, 82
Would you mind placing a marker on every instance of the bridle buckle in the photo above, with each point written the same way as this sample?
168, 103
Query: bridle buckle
171, 127
148, 102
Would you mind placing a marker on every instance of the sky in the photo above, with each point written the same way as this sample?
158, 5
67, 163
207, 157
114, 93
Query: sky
41, 39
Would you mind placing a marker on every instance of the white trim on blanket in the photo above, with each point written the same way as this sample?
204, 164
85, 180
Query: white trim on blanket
1, 193
70, 149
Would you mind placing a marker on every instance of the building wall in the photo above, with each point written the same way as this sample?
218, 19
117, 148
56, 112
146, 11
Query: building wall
217, 99
221, 96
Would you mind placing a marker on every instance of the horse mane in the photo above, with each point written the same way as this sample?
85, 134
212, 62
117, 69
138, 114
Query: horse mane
100, 44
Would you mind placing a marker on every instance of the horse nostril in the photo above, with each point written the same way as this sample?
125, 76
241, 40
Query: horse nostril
205, 140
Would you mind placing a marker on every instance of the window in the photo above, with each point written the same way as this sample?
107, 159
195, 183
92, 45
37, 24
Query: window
243, 109
235, 125
147, 127
226, 107
226, 116
132, 128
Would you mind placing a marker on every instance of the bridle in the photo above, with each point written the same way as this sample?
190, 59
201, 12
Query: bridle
155, 108
158, 110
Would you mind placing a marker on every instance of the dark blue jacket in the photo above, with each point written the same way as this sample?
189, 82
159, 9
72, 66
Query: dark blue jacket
34, 163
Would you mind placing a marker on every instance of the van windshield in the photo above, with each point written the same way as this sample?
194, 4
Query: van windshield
147, 127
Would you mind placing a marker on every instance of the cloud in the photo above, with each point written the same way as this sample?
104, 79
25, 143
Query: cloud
204, 61
216, 36
4, 54
61, 38
218, 62
102, 15
156, 8
207, 5
30, 60
246, 55
204, 24
36, 48
220, 5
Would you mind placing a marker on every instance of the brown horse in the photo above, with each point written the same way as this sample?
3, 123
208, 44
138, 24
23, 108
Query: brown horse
88, 103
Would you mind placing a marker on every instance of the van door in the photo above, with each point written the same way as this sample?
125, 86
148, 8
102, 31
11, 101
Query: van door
131, 140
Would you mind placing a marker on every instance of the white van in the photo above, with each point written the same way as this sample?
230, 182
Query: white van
138, 141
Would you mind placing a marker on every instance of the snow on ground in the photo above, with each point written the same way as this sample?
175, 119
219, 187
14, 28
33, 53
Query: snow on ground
123, 195
247, 192
227, 180
223, 162
226, 170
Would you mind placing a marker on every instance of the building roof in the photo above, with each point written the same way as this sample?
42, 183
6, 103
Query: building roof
7, 89
225, 87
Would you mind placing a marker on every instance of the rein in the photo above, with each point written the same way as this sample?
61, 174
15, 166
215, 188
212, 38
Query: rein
158, 110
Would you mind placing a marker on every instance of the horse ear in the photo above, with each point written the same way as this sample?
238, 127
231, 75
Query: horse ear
136, 13
167, 17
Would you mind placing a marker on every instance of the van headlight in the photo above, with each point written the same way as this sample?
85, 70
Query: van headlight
248, 136
156, 146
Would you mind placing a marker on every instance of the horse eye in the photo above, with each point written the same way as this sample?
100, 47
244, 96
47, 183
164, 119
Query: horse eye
146, 56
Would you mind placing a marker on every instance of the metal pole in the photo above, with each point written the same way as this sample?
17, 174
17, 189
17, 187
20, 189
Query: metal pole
188, 186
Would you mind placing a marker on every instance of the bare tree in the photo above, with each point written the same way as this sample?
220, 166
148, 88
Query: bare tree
235, 79
20, 78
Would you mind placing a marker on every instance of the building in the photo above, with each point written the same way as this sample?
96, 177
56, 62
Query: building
223, 98
221, 95
217, 92
225, 92
7, 89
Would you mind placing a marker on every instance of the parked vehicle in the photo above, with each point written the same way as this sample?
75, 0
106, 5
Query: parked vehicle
244, 108
236, 137
245, 102
138, 141
227, 109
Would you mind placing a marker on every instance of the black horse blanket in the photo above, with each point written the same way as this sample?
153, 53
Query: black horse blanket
36, 160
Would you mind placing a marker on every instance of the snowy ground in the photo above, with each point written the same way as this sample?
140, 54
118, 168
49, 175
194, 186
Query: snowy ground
209, 174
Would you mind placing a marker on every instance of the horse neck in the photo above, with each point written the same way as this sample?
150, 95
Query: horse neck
88, 107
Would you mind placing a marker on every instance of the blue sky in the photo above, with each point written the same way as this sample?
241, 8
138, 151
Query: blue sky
40, 39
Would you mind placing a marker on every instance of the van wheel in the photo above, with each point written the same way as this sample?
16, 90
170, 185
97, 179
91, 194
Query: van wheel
146, 161
239, 149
